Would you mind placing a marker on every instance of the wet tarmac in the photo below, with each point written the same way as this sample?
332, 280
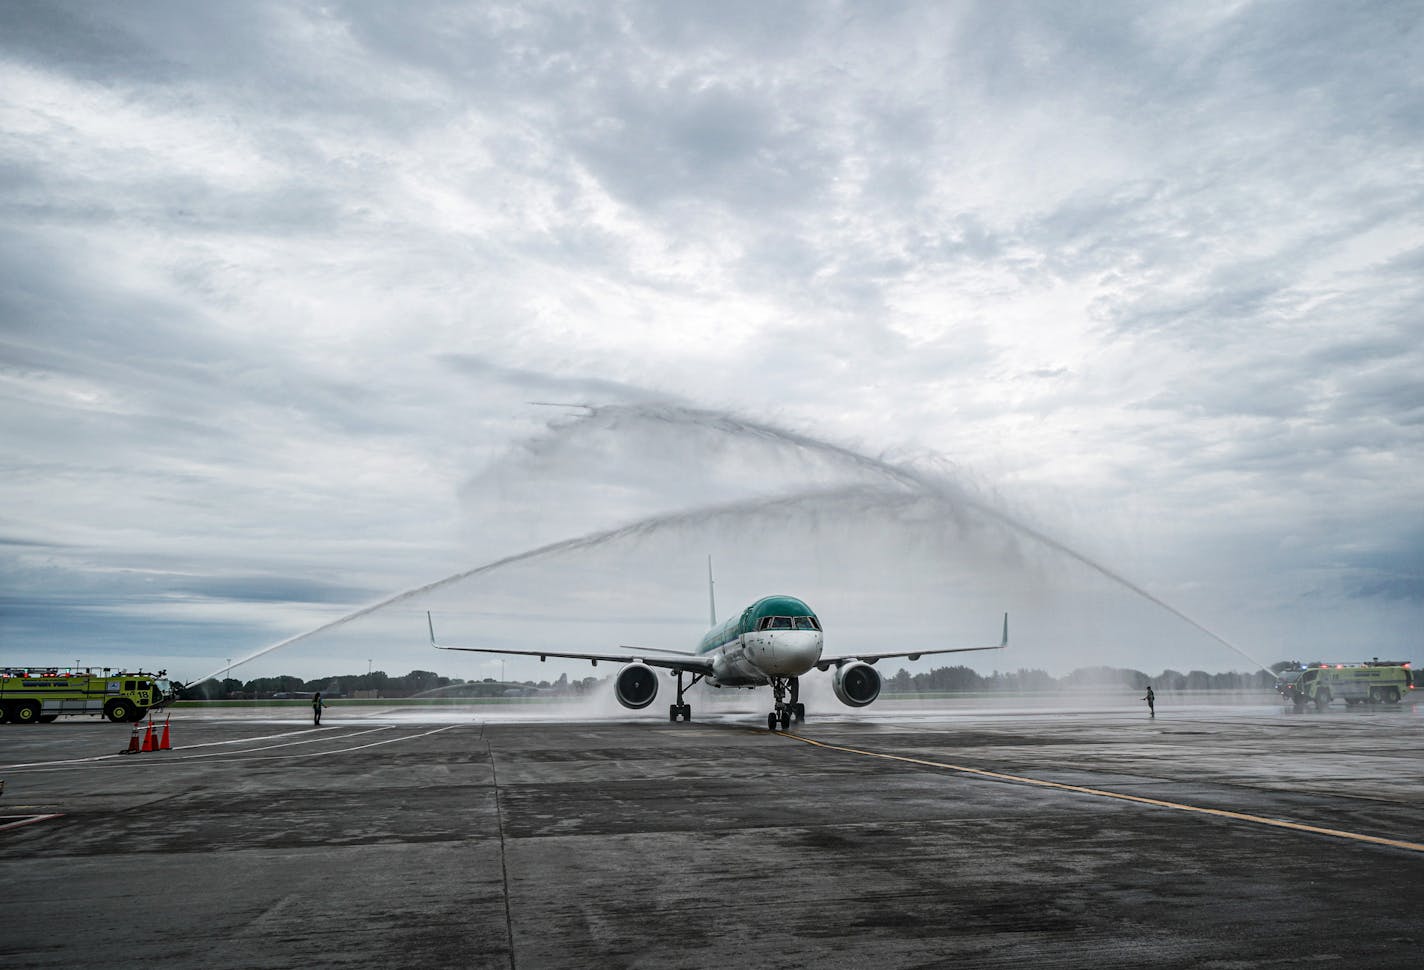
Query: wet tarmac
952, 834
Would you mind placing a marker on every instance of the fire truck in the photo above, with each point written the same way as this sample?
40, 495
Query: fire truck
1370, 682
38, 695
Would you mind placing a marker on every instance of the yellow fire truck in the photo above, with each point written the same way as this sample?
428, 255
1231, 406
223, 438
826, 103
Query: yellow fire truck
30, 695
1371, 682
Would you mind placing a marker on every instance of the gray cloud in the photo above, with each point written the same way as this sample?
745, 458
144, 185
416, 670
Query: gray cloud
278, 281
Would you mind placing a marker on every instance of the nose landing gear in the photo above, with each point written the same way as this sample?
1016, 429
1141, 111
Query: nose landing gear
786, 710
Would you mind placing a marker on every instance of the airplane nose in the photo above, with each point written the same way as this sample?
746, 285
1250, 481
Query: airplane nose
794, 652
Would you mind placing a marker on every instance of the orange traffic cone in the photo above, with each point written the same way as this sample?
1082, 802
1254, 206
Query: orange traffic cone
163, 744
148, 737
133, 741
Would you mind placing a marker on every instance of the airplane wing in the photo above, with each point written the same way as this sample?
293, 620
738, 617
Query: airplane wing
650, 656
827, 662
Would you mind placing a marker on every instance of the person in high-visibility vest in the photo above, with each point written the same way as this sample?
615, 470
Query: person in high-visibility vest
1151, 700
316, 709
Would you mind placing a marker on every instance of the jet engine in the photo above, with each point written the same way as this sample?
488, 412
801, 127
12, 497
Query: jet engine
637, 685
856, 684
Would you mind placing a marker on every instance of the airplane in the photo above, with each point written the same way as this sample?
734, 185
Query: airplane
772, 642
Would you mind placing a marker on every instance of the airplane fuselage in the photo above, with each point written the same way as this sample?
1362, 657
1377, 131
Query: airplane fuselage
775, 637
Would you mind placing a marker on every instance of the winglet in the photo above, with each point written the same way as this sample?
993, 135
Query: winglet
430, 623
1003, 643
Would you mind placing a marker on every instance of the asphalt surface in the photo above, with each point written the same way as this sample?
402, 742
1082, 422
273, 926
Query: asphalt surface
411, 839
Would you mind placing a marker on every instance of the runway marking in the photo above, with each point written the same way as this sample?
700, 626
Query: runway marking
242, 755
125, 754
138, 761
26, 820
377, 744
260, 737
309, 739
1102, 793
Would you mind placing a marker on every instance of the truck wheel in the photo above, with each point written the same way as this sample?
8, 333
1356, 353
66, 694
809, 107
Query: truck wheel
1390, 695
25, 712
118, 711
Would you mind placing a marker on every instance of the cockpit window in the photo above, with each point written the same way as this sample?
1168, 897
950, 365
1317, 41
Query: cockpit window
788, 623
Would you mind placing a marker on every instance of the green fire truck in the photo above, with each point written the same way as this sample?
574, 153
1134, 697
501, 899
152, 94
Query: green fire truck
1371, 682
38, 695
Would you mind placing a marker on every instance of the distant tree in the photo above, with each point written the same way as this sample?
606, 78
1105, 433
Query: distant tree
1106, 677
206, 690
1171, 680
267, 686
1023, 679
1198, 680
418, 681
1035, 680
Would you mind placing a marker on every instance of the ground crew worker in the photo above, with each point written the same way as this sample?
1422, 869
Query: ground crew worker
1151, 700
316, 709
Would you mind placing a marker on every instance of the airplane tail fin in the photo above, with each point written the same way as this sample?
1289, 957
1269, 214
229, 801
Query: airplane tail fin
1003, 643
711, 596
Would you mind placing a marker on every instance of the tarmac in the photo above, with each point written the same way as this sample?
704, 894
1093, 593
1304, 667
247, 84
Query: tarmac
948, 834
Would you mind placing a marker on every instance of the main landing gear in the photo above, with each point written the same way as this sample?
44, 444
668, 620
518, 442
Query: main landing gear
785, 710
681, 710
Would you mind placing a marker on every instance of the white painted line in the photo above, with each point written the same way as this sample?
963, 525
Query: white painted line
309, 739
307, 734
1120, 796
26, 820
241, 756
238, 756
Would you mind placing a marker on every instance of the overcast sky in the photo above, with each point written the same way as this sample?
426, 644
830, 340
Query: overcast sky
945, 309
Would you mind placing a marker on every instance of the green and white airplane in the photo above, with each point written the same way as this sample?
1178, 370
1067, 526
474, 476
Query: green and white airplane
770, 643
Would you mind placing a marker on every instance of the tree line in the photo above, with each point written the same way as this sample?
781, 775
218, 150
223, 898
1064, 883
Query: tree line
966, 679
378, 683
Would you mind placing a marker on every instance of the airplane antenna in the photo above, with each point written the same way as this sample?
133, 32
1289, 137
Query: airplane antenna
711, 595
